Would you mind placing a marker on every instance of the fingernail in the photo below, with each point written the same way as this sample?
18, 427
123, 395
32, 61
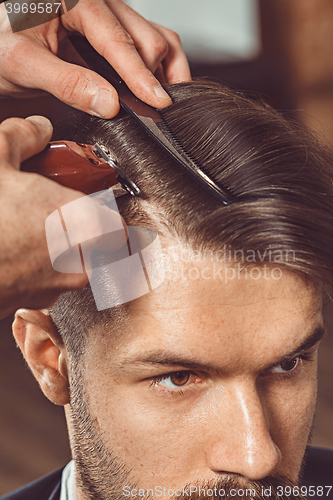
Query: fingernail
102, 103
161, 94
41, 120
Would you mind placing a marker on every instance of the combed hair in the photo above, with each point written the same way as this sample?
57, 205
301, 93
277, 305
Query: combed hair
278, 171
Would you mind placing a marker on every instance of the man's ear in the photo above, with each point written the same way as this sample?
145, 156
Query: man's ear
44, 351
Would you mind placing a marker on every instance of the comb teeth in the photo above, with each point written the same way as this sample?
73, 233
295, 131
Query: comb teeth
194, 169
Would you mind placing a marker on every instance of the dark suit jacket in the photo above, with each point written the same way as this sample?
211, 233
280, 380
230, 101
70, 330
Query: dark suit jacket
47, 488
318, 472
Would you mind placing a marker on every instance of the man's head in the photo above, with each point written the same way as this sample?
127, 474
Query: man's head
213, 373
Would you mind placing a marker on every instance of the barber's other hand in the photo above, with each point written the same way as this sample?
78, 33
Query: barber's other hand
27, 278
136, 48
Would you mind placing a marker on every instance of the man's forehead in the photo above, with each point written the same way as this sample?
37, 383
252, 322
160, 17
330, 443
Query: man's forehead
201, 319
195, 274
201, 284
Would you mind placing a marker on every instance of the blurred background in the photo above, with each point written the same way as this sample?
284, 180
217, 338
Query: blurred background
282, 49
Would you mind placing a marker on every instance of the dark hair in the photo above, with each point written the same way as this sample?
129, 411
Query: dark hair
278, 171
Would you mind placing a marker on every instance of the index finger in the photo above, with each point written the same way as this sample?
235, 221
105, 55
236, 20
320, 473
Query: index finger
175, 64
113, 42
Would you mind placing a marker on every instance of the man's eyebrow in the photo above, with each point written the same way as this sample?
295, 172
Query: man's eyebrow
315, 336
171, 359
166, 359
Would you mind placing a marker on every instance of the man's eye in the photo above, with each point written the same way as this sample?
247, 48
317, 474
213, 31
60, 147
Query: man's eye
287, 366
174, 380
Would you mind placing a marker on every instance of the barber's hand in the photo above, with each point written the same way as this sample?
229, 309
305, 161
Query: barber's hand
136, 48
27, 278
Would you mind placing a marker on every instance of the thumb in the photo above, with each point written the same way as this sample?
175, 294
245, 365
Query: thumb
20, 139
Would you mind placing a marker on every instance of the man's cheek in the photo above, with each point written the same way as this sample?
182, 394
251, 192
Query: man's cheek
146, 438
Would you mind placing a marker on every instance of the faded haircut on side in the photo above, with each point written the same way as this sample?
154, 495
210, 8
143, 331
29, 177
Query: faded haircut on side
279, 173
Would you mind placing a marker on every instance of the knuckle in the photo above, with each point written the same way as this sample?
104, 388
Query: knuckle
69, 86
160, 46
174, 37
171, 36
119, 35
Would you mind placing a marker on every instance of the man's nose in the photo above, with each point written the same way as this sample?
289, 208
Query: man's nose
241, 442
